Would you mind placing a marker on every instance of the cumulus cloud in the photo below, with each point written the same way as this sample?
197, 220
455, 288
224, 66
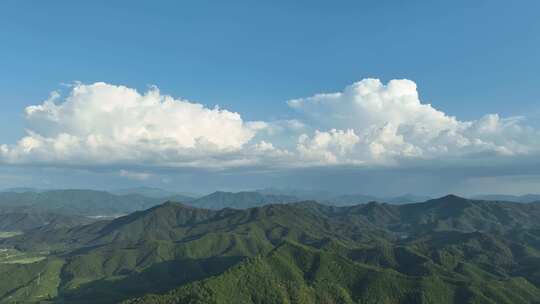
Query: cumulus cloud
329, 147
390, 122
368, 123
103, 123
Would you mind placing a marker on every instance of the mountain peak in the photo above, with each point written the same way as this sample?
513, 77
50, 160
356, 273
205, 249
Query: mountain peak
239, 200
452, 197
450, 201
171, 205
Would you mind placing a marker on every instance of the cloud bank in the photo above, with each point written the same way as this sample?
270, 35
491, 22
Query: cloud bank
367, 124
375, 123
102, 123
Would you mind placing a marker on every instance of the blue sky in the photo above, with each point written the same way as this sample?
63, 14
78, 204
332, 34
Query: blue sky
468, 58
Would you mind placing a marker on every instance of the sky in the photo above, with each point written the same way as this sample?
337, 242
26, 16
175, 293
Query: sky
375, 97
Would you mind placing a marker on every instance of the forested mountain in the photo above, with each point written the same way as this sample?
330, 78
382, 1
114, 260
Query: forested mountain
293, 273
77, 202
144, 191
334, 199
447, 250
124, 201
239, 200
527, 198
15, 221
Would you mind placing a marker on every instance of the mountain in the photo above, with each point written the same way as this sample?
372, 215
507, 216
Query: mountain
150, 250
156, 193
293, 273
77, 202
22, 190
351, 199
101, 203
456, 213
302, 221
24, 221
325, 197
239, 200
355, 199
330, 198
527, 198
445, 250
178, 223
406, 199
144, 191
301, 194
180, 198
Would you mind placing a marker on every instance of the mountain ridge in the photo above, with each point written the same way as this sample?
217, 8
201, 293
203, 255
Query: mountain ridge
177, 253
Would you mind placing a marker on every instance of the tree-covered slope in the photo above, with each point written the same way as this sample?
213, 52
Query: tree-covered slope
527, 198
450, 249
178, 223
294, 273
239, 200
30, 282
23, 221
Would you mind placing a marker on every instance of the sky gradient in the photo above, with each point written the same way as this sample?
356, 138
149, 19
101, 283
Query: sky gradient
467, 60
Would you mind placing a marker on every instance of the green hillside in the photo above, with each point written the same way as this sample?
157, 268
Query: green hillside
448, 250
297, 274
22, 221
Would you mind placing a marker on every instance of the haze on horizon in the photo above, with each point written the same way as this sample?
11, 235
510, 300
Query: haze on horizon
378, 98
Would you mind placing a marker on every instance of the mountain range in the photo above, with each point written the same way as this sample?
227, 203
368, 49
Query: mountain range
17, 221
77, 202
446, 250
122, 201
527, 198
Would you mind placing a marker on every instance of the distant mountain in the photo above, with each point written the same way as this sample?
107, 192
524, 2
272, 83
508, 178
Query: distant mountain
101, 203
77, 202
353, 199
350, 199
456, 213
302, 221
22, 190
527, 198
24, 221
180, 198
157, 193
239, 200
406, 199
301, 194
344, 199
144, 191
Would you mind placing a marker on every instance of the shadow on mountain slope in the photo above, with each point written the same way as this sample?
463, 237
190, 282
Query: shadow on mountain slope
158, 278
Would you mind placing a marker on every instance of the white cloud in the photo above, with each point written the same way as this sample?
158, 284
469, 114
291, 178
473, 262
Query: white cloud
392, 123
103, 123
329, 147
368, 123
